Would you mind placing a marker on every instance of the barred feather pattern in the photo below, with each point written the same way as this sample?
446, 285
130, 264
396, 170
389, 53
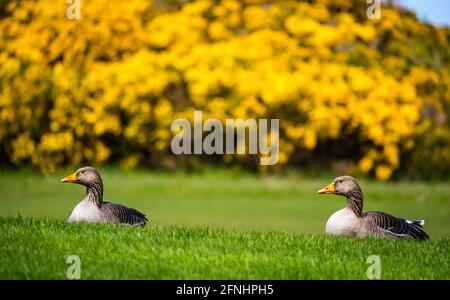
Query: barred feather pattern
116, 213
113, 213
382, 224
355, 201
94, 192
390, 226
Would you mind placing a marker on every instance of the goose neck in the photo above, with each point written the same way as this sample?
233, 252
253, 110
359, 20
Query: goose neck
355, 202
94, 192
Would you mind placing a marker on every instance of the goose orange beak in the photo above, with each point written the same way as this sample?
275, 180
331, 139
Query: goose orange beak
71, 178
328, 189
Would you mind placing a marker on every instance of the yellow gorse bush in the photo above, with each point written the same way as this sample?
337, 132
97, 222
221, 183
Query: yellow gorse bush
109, 85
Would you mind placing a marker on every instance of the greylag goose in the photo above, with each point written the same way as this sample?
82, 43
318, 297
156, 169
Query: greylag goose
93, 209
353, 221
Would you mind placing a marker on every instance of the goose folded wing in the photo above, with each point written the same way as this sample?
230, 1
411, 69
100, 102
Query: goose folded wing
396, 226
122, 214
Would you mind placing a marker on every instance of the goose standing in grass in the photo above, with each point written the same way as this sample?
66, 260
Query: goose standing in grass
353, 221
93, 209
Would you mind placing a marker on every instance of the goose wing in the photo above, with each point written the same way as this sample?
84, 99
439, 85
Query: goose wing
389, 225
117, 213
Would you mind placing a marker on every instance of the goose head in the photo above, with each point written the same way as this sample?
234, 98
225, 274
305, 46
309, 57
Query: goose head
342, 185
86, 176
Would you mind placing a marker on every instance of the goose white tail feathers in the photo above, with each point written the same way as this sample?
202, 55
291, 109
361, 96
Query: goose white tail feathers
417, 223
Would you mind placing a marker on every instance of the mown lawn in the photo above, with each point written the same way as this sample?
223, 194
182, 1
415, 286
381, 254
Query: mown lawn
219, 224
225, 199
38, 249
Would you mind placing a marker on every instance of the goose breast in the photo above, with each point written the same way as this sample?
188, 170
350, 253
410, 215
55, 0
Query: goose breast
86, 211
342, 222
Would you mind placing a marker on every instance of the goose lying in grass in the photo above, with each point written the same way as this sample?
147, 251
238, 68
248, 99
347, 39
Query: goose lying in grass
353, 221
93, 209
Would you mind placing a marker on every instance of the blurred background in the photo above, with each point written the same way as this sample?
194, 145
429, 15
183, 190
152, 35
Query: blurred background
365, 97
358, 96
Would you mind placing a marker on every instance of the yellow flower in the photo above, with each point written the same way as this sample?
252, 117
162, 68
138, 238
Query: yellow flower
299, 26
218, 30
383, 172
365, 164
255, 17
130, 162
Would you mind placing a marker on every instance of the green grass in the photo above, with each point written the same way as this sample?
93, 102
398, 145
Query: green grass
220, 224
38, 249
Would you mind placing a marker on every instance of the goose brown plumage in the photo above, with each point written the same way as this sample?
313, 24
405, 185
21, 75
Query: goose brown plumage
353, 221
93, 209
